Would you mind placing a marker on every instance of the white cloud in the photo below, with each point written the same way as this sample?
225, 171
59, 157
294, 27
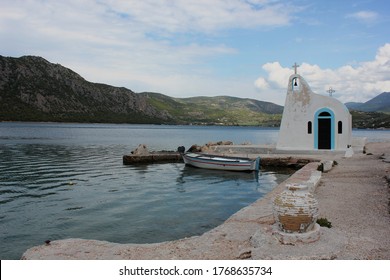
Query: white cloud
261, 83
364, 16
277, 74
352, 83
200, 15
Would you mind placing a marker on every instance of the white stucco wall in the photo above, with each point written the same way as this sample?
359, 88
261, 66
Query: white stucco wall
303, 106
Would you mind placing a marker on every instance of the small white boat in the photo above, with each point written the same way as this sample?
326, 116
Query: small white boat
221, 162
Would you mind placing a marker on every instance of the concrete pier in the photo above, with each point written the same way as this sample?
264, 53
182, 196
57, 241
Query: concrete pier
266, 160
154, 157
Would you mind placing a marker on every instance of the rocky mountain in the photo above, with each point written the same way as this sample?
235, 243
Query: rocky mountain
353, 105
375, 113
380, 103
33, 89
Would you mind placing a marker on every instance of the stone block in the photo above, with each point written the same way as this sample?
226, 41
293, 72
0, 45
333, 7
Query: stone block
295, 238
326, 165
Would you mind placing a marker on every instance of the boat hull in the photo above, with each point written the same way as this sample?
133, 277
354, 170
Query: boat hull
220, 163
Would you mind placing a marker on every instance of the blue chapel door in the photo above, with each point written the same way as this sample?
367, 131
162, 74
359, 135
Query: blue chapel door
324, 133
323, 129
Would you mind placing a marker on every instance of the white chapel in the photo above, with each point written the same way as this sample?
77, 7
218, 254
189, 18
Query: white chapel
313, 122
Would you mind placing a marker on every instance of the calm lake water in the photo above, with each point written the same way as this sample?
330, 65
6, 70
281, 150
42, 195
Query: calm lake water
67, 181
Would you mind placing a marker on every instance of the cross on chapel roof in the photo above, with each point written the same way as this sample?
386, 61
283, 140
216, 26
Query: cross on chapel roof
330, 91
295, 66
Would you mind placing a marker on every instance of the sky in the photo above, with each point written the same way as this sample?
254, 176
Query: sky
187, 48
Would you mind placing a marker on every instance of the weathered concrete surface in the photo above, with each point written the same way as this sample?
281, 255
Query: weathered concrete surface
354, 196
386, 157
152, 158
141, 155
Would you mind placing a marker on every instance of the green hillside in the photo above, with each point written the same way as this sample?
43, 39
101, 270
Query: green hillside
220, 110
374, 120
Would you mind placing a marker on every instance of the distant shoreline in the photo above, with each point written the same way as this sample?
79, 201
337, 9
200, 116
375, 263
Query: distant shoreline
158, 124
